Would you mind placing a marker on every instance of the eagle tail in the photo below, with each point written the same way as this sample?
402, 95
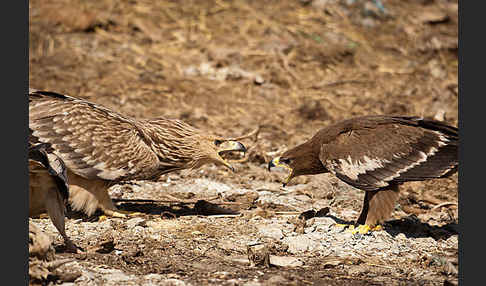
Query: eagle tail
54, 165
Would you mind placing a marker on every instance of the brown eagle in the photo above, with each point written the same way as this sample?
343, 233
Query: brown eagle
376, 154
48, 188
100, 147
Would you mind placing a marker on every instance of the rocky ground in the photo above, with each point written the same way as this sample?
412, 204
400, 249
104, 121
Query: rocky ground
284, 69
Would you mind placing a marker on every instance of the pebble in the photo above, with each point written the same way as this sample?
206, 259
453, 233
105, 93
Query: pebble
285, 261
300, 243
274, 232
136, 221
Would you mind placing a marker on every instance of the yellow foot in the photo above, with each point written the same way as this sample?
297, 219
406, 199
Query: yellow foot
43, 215
118, 214
363, 229
342, 225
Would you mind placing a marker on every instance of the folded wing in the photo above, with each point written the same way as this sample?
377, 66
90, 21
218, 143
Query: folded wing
378, 152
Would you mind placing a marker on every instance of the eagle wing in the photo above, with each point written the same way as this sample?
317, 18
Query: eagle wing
40, 161
372, 156
92, 141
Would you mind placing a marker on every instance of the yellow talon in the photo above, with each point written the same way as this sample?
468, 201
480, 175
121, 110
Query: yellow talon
120, 214
364, 229
102, 218
377, 228
135, 214
341, 225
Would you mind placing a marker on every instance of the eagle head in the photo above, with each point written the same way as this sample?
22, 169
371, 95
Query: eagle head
300, 160
212, 149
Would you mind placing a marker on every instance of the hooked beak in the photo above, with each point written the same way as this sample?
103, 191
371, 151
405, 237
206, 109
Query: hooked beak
276, 163
230, 146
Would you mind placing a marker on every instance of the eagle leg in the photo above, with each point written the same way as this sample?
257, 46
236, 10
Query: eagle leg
377, 207
56, 211
90, 195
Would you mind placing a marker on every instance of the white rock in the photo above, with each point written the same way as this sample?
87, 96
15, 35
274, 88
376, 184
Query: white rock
300, 243
136, 221
286, 261
116, 276
270, 231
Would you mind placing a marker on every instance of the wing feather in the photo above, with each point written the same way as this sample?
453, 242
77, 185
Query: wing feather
372, 157
93, 141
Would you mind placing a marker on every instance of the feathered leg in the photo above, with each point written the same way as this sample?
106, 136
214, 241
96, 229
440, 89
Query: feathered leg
89, 195
377, 207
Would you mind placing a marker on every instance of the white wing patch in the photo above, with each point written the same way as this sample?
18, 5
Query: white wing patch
423, 158
352, 168
443, 140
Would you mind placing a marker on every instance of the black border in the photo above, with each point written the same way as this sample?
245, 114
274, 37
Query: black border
471, 129
14, 116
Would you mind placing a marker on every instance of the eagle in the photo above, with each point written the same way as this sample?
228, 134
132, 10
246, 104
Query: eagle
48, 188
376, 154
101, 147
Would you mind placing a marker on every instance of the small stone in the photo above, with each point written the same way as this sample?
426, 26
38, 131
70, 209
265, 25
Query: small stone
270, 231
302, 198
40, 244
152, 278
230, 245
136, 221
240, 260
105, 224
285, 261
324, 223
400, 236
300, 243
221, 274
258, 254
258, 80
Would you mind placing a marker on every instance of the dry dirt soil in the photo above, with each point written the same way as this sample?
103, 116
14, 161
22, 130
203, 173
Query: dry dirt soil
279, 70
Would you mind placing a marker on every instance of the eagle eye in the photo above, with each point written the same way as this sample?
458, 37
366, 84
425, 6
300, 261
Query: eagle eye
217, 142
285, 160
